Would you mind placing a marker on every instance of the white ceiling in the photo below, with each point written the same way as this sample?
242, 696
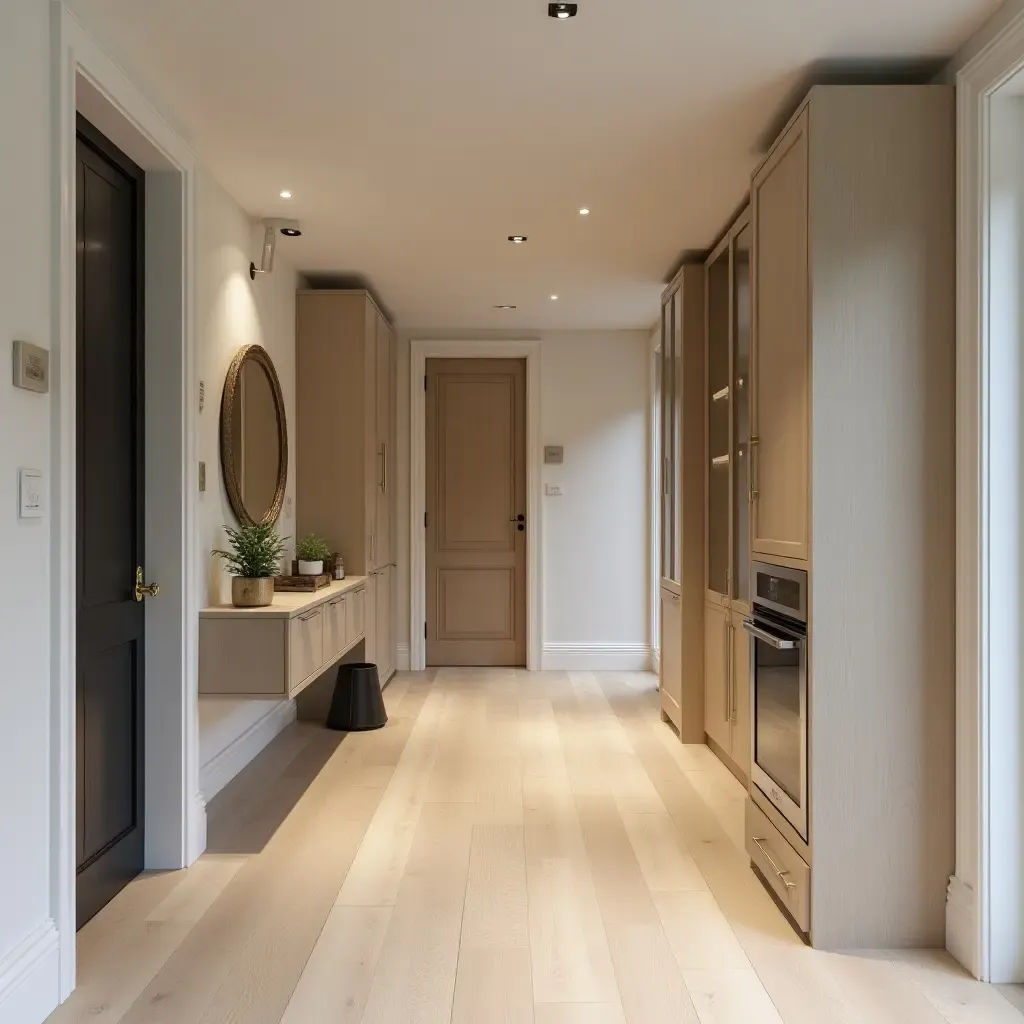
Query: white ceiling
416, 135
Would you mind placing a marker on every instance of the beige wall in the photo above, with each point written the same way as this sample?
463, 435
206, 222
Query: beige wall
233, 311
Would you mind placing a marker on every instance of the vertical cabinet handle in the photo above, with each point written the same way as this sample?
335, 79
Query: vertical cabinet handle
384, 485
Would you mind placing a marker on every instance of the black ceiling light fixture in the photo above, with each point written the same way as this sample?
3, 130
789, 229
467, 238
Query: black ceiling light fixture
562, 11
517, 239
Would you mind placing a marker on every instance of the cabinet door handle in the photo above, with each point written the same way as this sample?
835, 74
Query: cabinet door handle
783, 875
384, 485
310, 615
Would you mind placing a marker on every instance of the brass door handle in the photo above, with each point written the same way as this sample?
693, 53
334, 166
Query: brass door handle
144, 589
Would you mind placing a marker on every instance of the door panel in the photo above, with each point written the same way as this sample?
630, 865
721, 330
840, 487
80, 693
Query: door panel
384, 622
740, 694
109, 501
717, 702
476, 490
671, 656
385, 455
781, 350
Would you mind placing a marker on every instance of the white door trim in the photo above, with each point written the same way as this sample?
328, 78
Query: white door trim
983, 578
419, 353
175, 811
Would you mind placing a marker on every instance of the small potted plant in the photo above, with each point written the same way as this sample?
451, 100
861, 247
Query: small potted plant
311, 552
253, 561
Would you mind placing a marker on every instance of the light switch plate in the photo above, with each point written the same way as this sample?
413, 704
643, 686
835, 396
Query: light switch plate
30, 489
553, 490
554, 455
31, 367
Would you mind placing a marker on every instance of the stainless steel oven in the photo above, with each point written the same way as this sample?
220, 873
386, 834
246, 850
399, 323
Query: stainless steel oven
778, 671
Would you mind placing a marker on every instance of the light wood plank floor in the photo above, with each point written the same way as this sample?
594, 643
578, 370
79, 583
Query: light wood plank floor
512, 848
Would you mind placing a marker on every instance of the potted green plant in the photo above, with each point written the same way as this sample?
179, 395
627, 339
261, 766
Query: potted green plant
311, 552
253, 561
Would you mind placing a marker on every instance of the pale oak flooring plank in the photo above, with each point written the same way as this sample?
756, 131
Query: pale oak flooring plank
336, 981
515, 848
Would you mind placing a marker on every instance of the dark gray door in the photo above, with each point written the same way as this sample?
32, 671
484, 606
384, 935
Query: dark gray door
110, 488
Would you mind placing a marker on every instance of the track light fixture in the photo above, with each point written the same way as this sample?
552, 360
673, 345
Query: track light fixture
271, 226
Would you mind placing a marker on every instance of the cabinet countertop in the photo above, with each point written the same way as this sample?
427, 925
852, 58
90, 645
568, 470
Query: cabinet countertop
287, 605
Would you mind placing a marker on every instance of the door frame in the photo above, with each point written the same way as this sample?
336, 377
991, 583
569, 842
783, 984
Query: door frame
984, 913
86, 79
419, 352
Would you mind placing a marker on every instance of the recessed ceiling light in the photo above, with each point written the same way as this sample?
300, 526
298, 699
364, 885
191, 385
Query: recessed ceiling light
562, 11
584, 211
554, 298
517, 239
504, 307
285, 194
291, 232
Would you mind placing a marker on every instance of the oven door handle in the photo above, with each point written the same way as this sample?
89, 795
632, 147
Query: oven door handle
778, 642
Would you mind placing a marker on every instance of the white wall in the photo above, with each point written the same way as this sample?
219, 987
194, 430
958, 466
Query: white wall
26, 204
594, 394
233, 311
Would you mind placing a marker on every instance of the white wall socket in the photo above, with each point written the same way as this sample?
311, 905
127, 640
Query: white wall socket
30, 490
553, 490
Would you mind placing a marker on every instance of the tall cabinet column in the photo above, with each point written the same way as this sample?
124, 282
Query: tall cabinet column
345, 445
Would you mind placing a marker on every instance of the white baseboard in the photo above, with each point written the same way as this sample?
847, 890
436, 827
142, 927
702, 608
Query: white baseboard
402, 658
30, 977
220, 770
962, 925
596, 657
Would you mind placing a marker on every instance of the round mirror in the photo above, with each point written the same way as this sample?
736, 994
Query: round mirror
254, 437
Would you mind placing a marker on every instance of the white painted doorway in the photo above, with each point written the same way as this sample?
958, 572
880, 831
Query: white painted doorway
87, 81
985, 908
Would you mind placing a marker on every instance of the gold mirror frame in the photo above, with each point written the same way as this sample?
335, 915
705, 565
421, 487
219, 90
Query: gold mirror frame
227, 444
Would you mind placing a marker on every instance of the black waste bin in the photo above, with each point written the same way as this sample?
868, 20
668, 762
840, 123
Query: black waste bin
358, 704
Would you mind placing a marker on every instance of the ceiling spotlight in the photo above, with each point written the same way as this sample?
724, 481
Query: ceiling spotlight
554, 298
517, 239
271, 226
504, 307
584, 212
286, 194
562, 11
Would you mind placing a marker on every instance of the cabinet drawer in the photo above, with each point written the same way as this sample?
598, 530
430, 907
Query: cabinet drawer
355, 611
305, 646
335, 627
783, 868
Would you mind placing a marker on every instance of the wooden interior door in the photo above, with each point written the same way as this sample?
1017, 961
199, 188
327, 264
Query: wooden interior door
781, 405
476, 512
110, 490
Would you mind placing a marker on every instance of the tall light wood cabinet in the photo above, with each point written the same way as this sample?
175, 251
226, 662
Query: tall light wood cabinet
681, 439
727, 459
854, 349
345, 443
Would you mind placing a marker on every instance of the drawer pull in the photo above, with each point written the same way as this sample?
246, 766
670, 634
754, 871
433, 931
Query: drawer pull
310, 615
336, 601
783, 875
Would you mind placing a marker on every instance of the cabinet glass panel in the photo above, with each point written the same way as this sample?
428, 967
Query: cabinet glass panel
667, 419
741, 414
719, 455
